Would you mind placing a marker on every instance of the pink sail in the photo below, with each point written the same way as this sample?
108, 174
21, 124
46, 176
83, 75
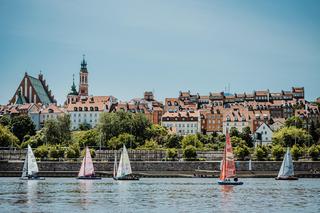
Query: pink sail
228, 166
87, 168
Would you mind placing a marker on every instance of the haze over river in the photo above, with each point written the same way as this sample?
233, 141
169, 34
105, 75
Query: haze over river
158, 195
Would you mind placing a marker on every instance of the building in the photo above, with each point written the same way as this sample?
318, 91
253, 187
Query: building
51, 111
263, 135
184, 123
84, 108
211, 120
32, 90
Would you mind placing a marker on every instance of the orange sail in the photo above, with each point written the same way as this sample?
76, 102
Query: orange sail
87, 168
228, 167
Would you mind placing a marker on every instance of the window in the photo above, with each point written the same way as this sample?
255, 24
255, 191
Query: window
85, 108
80, 108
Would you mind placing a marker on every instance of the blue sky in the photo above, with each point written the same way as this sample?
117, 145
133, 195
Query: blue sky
162, 45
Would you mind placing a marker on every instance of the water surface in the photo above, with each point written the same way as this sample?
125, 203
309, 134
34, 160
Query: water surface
158, 195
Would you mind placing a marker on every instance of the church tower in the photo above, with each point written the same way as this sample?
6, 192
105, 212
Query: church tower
83, 86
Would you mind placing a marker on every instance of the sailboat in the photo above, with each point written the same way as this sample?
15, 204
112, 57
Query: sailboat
123, 171
87, 169
228, 167
286, 170
30, 168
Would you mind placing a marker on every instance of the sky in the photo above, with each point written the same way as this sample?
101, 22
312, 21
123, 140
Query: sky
164, 46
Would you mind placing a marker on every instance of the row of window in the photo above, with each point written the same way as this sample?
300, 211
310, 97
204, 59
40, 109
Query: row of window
86, 109
85, 115
181, 125
85, 121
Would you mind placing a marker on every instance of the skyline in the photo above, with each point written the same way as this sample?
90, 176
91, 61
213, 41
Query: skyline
162, 46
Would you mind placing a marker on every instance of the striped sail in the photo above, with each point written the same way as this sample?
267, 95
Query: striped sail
228, 167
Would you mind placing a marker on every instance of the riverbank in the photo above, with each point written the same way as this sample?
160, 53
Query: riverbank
259, 169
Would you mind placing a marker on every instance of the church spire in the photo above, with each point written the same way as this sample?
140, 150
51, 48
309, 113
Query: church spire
73, 88
84, 64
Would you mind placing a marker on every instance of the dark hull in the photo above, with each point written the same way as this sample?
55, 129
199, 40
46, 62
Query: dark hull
287, 178
32, 178
126, 178
88, 178
230, 183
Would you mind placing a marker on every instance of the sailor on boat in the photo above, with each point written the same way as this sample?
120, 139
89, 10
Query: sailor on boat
228, 169
286, 171
87, 169
30, 167
123, 171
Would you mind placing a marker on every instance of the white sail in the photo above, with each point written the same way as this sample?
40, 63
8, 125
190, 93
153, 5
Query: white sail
30, 166
286, 169
124, 164
115, 165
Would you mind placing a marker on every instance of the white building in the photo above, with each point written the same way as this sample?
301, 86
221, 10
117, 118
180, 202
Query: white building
52, 111
182, 123
88, 110
263, 135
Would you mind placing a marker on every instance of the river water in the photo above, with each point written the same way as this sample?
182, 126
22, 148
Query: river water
158, 195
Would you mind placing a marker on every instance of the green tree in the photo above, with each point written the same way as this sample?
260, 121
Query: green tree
89, 138
246, 136
313, 152
241, 152
261, 153
56, 151
313, 132
295, 121
191, 140
234, 132
277, 152
157, 133
64, 123
41, 152
7, 139
236, 141
5, 120
173, 141
150, 144
35, 140
52, 132
287, 136
117, 142
190, 152
115, 123
84, 126
172, 153
22, 125
296, 152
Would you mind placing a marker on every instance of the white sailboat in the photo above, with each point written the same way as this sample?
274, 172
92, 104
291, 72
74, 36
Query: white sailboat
87, 169
286, 171
30, 168
124, 171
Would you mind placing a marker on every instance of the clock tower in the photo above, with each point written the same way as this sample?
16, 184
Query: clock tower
83, 86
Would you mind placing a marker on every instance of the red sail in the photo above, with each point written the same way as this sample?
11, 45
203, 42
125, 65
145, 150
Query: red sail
228, 168
87, 168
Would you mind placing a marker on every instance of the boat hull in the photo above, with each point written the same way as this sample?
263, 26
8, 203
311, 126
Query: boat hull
88, 178
287, 178
126, 178
32, 178
230, 183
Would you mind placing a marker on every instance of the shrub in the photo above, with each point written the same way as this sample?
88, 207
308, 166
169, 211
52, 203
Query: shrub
241, 152
7, 138
190, 152
73, 151
150, 145
191, 140
172, 153
56, 152
92, 153
313, 152
296, 152
277, 152
260, 153
41, 152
